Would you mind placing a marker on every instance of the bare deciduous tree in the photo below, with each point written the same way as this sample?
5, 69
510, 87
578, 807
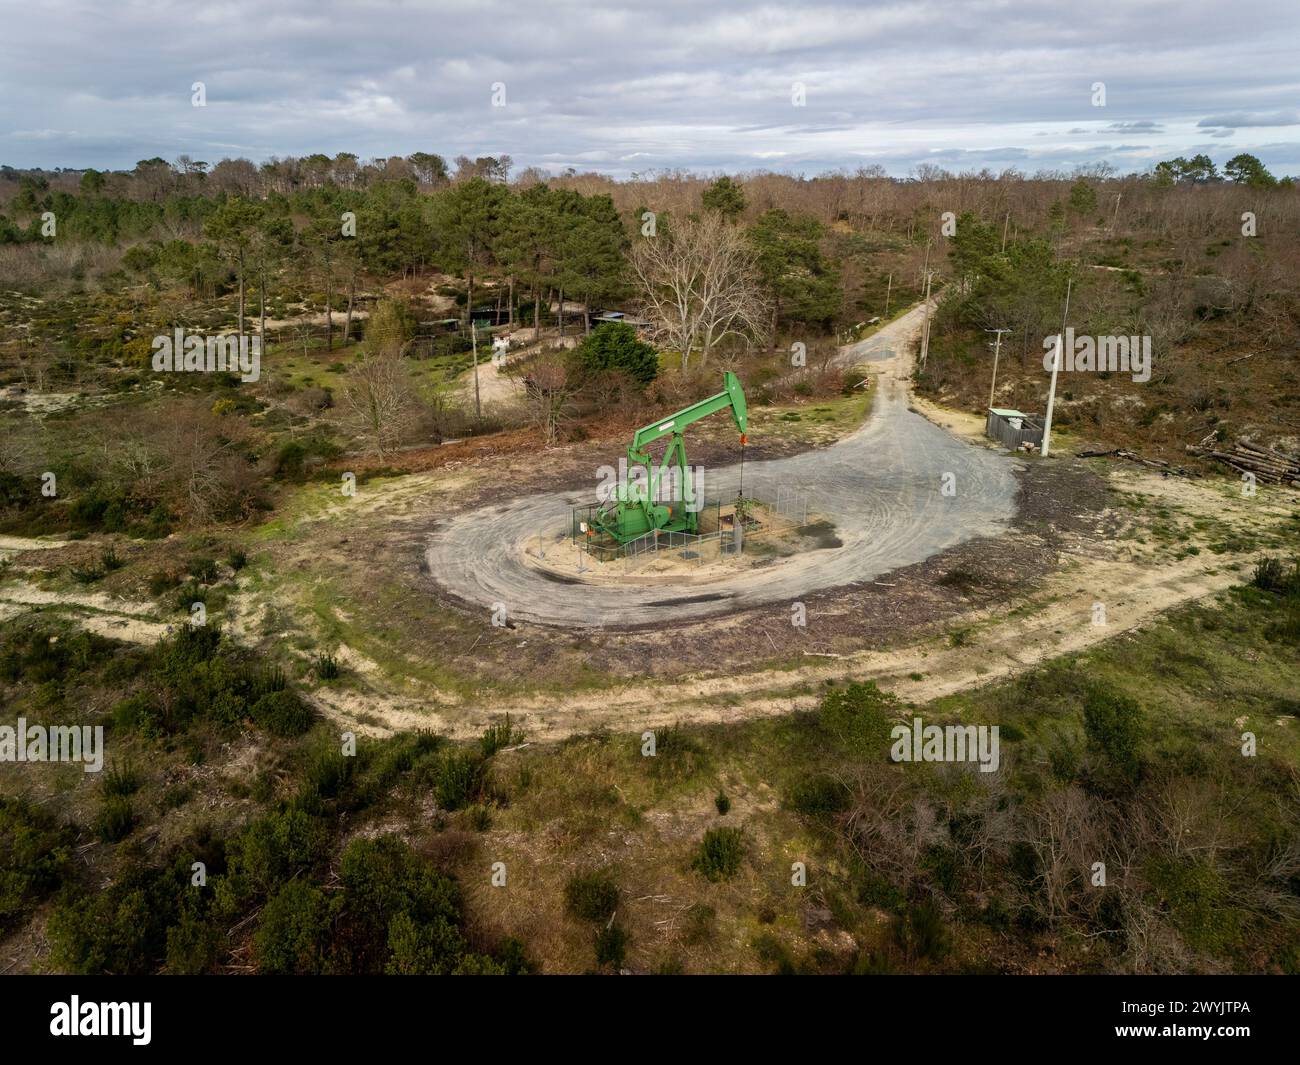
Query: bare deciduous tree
699, 285
549, 394
378, 402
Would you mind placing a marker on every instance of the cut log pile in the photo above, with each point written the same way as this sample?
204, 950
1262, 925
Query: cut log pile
1265, 463
1133, 456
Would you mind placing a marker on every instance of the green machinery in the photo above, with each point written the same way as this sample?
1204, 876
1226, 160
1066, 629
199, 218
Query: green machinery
663, 497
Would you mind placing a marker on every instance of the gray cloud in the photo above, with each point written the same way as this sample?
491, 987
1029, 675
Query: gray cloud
618, 85
1243, 120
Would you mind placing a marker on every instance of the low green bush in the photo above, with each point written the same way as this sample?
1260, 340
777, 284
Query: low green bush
719, 854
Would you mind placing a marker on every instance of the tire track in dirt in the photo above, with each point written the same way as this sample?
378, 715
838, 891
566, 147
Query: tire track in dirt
880, 486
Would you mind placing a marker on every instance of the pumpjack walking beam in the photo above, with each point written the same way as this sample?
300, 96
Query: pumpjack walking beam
640, 507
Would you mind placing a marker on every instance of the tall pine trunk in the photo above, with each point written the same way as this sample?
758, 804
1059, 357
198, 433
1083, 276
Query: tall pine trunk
352, 296
329, 315
241, 295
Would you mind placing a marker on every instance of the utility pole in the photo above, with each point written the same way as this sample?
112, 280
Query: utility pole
1056, 366
473, 332
888, 286
1005, 226
925, 332
997, 350
1115, 216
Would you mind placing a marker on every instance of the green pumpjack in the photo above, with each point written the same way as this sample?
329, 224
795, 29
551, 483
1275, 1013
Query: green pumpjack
641, 505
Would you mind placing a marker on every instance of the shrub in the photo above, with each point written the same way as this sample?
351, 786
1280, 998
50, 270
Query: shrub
35, 852
1287, 628
495, 737
294, 934
1272, 575
857, 716
121, 929
326, 666
115, 819
773, 952
721, 803
920, 932
591, 896
187, 647
203, 570
719, 854
818, 795
237, 559
39, 653
398, 914
1113, 722
282, 713
328, 772
459, 779
193, 946
142, 713
188, 594
615, 346
86, 574
163, 581
1198, 901
611, 946
267, 853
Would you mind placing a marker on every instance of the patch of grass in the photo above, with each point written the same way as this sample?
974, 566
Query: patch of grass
121, 780
591, 896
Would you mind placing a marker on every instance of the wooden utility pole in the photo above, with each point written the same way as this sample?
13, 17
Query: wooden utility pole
473, 332
925, 332
1115, 217
1056, 366
1005, 226
997, 350
888, 286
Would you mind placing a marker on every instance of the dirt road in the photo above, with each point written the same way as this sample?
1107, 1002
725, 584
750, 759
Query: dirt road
883, 487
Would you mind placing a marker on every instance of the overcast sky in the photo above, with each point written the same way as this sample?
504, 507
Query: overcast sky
626, 87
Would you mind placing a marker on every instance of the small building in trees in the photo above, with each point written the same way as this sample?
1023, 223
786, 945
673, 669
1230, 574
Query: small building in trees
603, 316
1013, 429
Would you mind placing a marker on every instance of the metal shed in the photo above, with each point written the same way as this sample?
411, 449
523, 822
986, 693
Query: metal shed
1012, 428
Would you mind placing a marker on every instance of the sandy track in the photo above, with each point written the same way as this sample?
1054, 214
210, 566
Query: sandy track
881, 486
1004, 646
